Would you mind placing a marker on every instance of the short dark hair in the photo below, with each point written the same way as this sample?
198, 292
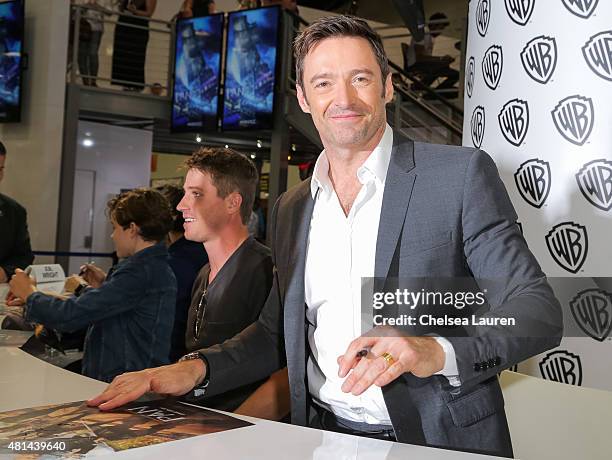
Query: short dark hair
2, 149
337, 26
230, 171
174, 195
147, 208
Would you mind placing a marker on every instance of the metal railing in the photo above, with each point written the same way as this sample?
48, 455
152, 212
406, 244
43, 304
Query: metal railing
417, 109
131, 52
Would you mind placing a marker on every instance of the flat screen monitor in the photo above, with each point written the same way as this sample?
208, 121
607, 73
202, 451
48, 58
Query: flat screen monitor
11, 55
250, 68
197, 74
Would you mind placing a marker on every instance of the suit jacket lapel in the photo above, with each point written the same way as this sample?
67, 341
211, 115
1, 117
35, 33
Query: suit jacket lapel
302, 209
399, 184
396, 196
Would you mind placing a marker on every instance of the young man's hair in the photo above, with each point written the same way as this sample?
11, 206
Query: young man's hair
174, 195
147, 208
2, 149
230, 171
337, 27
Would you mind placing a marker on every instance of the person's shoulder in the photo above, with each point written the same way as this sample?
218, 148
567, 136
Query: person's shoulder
188, 251
8, 202
446, 156
296, 193
259, 250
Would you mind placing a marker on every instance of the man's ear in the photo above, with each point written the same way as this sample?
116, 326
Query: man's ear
388, 89
301, 97
134, 230
234, 201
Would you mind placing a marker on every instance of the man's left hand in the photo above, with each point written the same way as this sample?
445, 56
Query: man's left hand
421, 356
22, 285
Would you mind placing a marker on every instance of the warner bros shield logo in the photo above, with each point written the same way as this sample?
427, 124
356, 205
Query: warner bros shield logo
470, 76
514, 121
592, 311
520, 10
562, 366
477, 126
568, 244
598, 54
539, 58
483, 16
492, 66
533, 181
581, 8
595, 182
574, 118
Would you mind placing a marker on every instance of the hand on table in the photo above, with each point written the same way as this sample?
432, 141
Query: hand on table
174, 380
13, 301
22, 285
421, 356
93, 275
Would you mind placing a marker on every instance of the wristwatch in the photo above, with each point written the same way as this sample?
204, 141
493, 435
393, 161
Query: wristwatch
200, 389
79, 289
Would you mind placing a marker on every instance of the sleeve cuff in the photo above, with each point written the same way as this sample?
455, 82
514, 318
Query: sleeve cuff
450, 369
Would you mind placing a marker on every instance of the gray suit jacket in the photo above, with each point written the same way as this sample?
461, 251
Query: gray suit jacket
455, 219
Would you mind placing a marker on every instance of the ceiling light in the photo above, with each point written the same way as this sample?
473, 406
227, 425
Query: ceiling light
88, 143
259, 144
198, 139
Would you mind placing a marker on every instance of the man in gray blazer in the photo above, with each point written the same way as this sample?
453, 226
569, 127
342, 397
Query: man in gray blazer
436, 211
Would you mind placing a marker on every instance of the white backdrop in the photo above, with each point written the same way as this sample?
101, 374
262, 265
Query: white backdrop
538, 99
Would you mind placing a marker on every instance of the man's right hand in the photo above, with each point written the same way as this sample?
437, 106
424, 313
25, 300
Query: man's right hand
174, 380
94, 276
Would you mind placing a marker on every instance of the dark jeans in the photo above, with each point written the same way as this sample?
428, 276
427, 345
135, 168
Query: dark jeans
326, 420
88, 55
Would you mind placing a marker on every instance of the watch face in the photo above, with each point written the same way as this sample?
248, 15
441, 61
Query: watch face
192, 355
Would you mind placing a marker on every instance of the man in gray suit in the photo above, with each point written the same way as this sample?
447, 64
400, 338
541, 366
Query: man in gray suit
437, 211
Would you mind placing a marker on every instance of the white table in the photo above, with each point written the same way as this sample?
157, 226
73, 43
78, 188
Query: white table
555, 421
26, 381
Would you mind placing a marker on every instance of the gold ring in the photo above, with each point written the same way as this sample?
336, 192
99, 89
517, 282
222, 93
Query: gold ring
387, 357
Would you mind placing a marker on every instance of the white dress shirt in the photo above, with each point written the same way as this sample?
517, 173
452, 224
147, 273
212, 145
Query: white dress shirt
341, 250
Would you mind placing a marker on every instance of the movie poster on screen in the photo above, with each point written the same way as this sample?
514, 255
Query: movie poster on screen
74, 430
11, 43
252, 40
197, 70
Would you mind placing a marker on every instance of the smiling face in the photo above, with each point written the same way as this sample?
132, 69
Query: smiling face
344, 92
204, 211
